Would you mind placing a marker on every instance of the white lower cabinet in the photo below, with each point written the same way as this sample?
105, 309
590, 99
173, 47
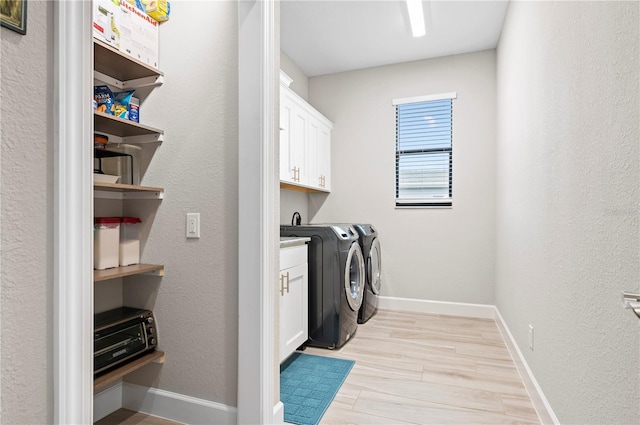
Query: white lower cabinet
293, 289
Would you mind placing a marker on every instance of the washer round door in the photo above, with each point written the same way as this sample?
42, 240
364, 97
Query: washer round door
354, 277
374, 267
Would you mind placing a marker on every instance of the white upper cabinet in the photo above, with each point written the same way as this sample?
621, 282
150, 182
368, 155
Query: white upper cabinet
305, 143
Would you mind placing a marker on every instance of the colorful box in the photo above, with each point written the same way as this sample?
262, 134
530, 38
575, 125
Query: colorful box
138, 34
106, 21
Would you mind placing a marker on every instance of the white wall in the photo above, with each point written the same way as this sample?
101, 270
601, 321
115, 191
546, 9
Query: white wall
292, 201
567, 201
300, 83
435, 254
26, 233
196, 302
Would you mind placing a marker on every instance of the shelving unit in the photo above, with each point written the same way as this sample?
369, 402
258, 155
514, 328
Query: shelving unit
116, 66
126, 191
104, 380
123, 72
118, 272
110, 124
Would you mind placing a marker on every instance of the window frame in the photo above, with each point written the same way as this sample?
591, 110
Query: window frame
402, 203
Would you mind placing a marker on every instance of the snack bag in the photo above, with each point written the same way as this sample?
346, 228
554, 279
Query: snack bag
122, 103
104, 97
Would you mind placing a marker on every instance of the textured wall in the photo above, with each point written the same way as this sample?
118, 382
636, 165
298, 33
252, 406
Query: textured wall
567, 201
436, 254
26, 320
196, 301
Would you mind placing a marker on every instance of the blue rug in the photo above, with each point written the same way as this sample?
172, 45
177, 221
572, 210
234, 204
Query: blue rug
308, 384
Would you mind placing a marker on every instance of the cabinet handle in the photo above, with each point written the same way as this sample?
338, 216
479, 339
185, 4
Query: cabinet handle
298, 178
294, 173
324, 181
282, 287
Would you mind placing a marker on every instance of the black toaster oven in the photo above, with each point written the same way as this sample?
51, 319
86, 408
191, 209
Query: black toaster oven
121, 335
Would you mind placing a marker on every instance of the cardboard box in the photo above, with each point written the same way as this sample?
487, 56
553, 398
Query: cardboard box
138, 34
106, 22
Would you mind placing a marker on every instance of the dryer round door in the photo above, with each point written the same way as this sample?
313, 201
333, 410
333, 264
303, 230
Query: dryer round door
354, 277
374, 266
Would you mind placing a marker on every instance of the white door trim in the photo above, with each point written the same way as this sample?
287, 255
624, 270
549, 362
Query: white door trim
73, 213
258, 80
73, 196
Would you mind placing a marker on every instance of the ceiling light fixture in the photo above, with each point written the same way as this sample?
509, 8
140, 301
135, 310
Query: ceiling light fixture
416, 17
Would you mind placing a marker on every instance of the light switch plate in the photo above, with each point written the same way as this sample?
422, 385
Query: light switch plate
193, 225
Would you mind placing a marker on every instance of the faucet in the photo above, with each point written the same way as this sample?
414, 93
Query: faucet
296, 219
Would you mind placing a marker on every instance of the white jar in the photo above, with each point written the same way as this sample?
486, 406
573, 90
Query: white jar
106, 239
129, 241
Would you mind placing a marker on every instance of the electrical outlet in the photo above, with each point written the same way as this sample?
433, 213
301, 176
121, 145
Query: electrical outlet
531, 337
193, 225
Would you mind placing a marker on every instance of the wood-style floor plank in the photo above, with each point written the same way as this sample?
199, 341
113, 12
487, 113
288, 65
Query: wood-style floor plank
414, 368
129, 417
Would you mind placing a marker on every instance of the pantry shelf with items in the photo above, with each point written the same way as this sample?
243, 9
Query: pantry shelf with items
125, 72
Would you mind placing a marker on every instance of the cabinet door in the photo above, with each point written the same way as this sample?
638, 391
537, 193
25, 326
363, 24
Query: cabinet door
286, 161
293, 139
294, 317
313, 139
324, 157
298, 143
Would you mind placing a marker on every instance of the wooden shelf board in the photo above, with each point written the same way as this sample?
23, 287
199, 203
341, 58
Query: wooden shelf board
112, 62
118, 272
103, 381
110, 124
118, 187
298, 188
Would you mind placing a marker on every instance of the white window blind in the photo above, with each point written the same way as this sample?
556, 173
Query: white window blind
424, 151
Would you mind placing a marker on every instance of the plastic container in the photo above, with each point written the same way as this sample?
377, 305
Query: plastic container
129, 241
106, 242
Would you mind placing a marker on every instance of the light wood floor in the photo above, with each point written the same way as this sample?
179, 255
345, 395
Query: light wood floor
129, 417
416, 368
428, 369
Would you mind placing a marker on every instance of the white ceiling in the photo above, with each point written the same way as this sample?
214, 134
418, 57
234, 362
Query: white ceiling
329, 36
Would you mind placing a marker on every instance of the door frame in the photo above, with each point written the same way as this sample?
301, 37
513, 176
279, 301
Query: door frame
258, 212
73, 212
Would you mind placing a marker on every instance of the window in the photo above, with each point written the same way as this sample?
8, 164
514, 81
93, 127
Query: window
424, 157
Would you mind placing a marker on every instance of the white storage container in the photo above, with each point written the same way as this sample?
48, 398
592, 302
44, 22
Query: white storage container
106, 241
129, 241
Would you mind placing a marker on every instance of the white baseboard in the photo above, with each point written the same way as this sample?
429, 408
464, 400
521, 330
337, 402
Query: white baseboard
278, 413
107, 402
480, 311
176, 407
540, 402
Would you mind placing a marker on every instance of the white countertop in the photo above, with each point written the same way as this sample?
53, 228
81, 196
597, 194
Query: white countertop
293, 241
